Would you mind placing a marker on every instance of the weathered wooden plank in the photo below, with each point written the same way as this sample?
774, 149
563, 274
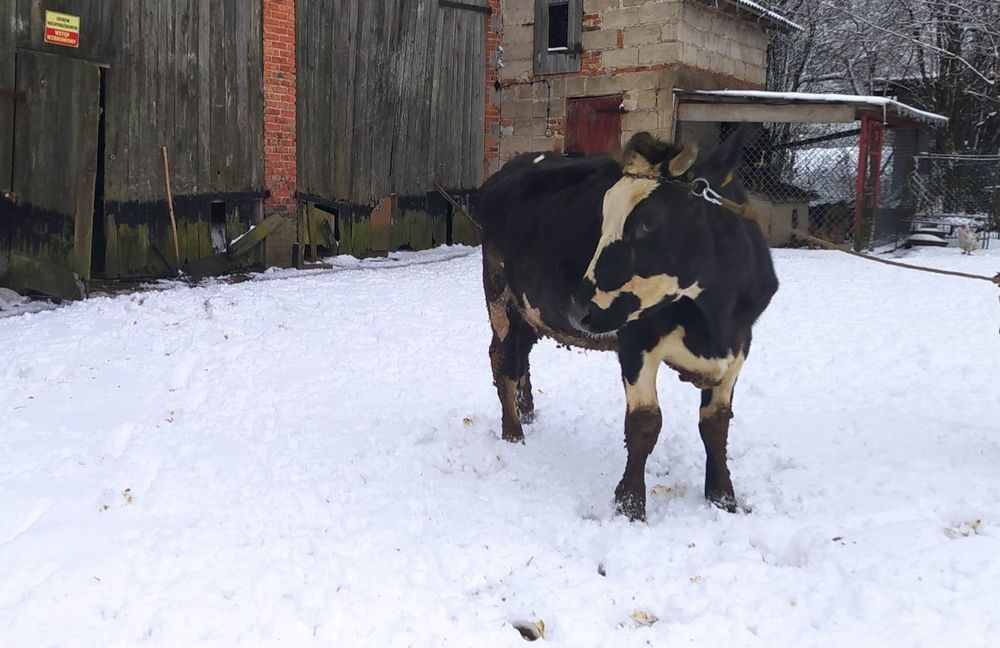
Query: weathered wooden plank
8, 96
241, 95
698, 112
477, 142
251, 239
54, 170
184, 130
204, 101
23, 272
364, 77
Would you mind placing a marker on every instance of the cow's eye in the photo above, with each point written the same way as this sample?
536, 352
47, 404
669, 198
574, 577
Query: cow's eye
648, 227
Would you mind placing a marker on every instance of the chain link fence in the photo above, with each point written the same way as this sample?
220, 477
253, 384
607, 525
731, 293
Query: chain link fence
949, 190
802, 179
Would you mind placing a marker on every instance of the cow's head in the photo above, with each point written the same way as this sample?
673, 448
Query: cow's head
653, 232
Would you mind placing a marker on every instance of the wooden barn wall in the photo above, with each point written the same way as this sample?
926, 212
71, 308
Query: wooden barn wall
189, 77
391, 98
182, 73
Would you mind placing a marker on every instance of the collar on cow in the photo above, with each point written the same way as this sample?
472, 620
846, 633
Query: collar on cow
701, 188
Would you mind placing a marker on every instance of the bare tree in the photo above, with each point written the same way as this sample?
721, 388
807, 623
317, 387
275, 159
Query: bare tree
939, 55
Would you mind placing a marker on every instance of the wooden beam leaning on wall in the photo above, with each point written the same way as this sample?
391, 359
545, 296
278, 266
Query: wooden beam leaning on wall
24, 273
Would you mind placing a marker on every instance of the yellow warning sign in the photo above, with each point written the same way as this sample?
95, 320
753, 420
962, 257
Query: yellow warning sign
62, 29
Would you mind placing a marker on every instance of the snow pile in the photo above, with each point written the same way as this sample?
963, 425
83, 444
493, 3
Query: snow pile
312, 459
13, 303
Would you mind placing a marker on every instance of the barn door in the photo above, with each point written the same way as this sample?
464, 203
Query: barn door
593, 124
49, 226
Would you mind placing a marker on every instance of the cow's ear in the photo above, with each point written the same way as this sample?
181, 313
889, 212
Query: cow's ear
722, 165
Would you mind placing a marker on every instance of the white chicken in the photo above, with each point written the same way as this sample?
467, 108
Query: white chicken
967, 239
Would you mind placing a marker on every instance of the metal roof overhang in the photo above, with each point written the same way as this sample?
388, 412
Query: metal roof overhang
760, 106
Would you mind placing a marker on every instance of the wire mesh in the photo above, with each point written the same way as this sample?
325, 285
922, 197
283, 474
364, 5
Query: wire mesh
950, 190
802, 179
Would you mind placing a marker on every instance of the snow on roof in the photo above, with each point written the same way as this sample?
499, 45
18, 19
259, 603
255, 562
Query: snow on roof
764, 12
809, 97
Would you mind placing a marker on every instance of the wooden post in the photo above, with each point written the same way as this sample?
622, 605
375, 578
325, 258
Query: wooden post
170, 206
994, 221
869, 181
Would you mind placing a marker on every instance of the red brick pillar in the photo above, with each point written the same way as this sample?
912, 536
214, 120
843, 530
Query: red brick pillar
494, 38
280, 166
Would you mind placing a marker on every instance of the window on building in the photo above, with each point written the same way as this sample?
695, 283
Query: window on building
558, 34
559, 27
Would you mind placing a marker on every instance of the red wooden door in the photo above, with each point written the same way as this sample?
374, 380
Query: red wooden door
593, 124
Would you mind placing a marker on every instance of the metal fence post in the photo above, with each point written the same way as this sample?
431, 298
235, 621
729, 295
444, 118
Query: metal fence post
869, 179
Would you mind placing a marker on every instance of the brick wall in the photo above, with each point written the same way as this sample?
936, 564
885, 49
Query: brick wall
494, 34
641, 49
279, 107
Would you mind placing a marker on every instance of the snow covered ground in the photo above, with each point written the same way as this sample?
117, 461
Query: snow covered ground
312, 459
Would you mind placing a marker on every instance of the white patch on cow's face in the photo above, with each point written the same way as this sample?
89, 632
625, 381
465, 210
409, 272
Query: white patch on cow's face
619, 201
650, 291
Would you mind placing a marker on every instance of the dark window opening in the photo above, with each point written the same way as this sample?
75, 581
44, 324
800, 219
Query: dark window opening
449, 235
559, 27
557, 36
331, 228
217, 226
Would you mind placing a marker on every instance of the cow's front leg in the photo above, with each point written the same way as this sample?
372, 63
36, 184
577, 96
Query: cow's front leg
526, 339
713, 424
642, 428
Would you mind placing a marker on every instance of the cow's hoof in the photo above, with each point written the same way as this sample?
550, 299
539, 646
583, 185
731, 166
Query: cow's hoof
514, 437
527, 418
725, 502
630, 505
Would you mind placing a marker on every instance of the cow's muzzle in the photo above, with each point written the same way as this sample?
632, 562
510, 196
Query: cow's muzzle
590, 318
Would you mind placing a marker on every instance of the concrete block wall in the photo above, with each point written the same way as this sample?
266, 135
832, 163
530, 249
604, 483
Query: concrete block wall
640, 49
723, 43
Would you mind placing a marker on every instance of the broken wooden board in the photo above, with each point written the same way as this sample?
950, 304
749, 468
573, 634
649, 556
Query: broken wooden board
247, 242
23, 273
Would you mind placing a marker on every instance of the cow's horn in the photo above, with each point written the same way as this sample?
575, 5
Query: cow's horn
683, 160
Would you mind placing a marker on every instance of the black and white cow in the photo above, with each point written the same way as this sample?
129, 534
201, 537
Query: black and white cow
617, 254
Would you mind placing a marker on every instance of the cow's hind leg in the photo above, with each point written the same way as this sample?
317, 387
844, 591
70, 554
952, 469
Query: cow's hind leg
509, 361
509, 348
713, 424
642, 428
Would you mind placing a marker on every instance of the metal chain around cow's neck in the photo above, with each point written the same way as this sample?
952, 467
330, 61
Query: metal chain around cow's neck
700, 188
